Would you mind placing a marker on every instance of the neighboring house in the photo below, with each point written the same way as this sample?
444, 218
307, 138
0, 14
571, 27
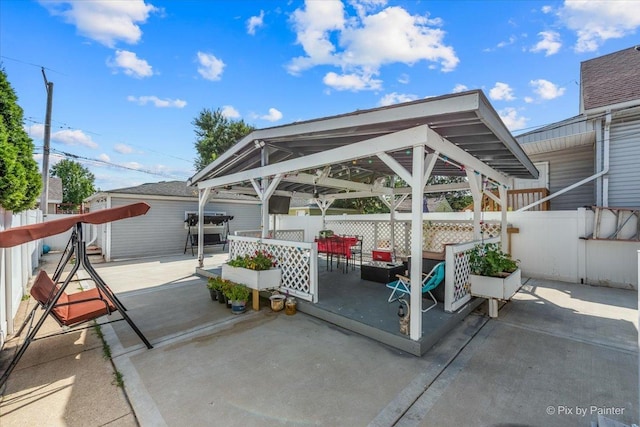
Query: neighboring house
163, 230
54, 198
601, 145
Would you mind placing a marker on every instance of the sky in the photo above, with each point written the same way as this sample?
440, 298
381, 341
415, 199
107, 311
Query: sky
131, 76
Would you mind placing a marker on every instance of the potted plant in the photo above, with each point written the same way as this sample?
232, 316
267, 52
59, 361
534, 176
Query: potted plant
238, 295
493, 273
216, 287
257, 271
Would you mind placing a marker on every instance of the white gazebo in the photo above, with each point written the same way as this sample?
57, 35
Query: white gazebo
355, 155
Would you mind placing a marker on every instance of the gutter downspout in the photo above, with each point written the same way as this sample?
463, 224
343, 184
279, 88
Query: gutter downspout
604, 171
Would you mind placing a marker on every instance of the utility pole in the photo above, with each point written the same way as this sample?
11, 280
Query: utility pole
44, 204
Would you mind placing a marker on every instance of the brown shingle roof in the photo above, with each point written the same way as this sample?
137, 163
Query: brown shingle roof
610, 79
164, 188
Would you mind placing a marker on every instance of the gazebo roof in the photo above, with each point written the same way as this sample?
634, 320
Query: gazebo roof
345, 148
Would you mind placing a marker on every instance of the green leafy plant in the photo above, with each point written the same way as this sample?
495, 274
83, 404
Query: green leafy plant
488, 260
237, 292
260, 260
218, 283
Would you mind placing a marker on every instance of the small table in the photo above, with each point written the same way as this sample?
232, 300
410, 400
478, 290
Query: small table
381, 272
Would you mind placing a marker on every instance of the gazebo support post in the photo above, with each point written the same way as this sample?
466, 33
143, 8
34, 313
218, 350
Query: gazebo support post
203, 197
417, 188
502, 191
475, 185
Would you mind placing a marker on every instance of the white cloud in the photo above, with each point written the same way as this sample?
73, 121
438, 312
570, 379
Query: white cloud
229, 112
546, 9
157, 102
35, 131
123, 149
396, 98
595, 22
504, 43
549, 44
545, 89
364, 6
130, 64
132, 165
511, 119
104, 21
273, 116
404, 79
501, 92
210, 67
528, 99
73, 137
459, 88
353, 82
104, 157
360, 45
255, 22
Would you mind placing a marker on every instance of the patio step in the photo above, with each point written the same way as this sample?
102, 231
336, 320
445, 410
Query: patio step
94, 253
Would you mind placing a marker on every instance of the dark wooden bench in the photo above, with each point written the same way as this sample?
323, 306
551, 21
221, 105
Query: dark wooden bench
209, 239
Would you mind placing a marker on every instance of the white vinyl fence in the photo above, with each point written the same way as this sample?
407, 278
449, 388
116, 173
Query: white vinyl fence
549, 244
16, 268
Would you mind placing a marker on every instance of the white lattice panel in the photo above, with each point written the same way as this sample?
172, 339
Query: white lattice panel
293, 260
290, 235
457, 286
377, 234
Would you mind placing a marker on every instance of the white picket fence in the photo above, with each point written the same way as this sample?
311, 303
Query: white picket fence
16, 268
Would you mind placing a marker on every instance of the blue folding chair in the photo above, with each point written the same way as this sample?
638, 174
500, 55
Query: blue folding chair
430, 281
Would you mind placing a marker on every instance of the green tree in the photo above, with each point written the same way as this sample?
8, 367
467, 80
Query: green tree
77, 181
215, 134
20, 181
458, 200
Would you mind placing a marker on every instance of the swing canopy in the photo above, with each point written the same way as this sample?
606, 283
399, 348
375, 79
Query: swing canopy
26, 233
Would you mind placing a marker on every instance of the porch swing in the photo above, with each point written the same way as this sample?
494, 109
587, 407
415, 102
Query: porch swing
69, 310
208, 239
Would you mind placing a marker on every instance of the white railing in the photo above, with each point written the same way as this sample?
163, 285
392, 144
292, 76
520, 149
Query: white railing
297, 260
456, 280
290, 235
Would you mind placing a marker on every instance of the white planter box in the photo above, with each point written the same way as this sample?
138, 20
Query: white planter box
496, 287
254, 279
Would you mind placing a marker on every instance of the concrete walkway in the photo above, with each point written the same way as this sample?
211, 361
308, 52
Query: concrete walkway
557, 348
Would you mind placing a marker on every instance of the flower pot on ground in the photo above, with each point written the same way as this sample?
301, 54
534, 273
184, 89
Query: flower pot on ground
493, 273
277, 302
216, 287
238, 295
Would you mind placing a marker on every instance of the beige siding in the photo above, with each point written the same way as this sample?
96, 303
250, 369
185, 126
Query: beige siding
161, 231
567, 167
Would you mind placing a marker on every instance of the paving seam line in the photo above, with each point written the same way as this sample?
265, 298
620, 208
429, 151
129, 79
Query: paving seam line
406, 398
143, 406
421, 407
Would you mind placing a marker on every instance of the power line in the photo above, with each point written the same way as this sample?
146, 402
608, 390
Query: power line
115, 165
32, 120
32, 64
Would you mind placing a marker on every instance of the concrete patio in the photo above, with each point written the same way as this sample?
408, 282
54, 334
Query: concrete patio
556, 348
